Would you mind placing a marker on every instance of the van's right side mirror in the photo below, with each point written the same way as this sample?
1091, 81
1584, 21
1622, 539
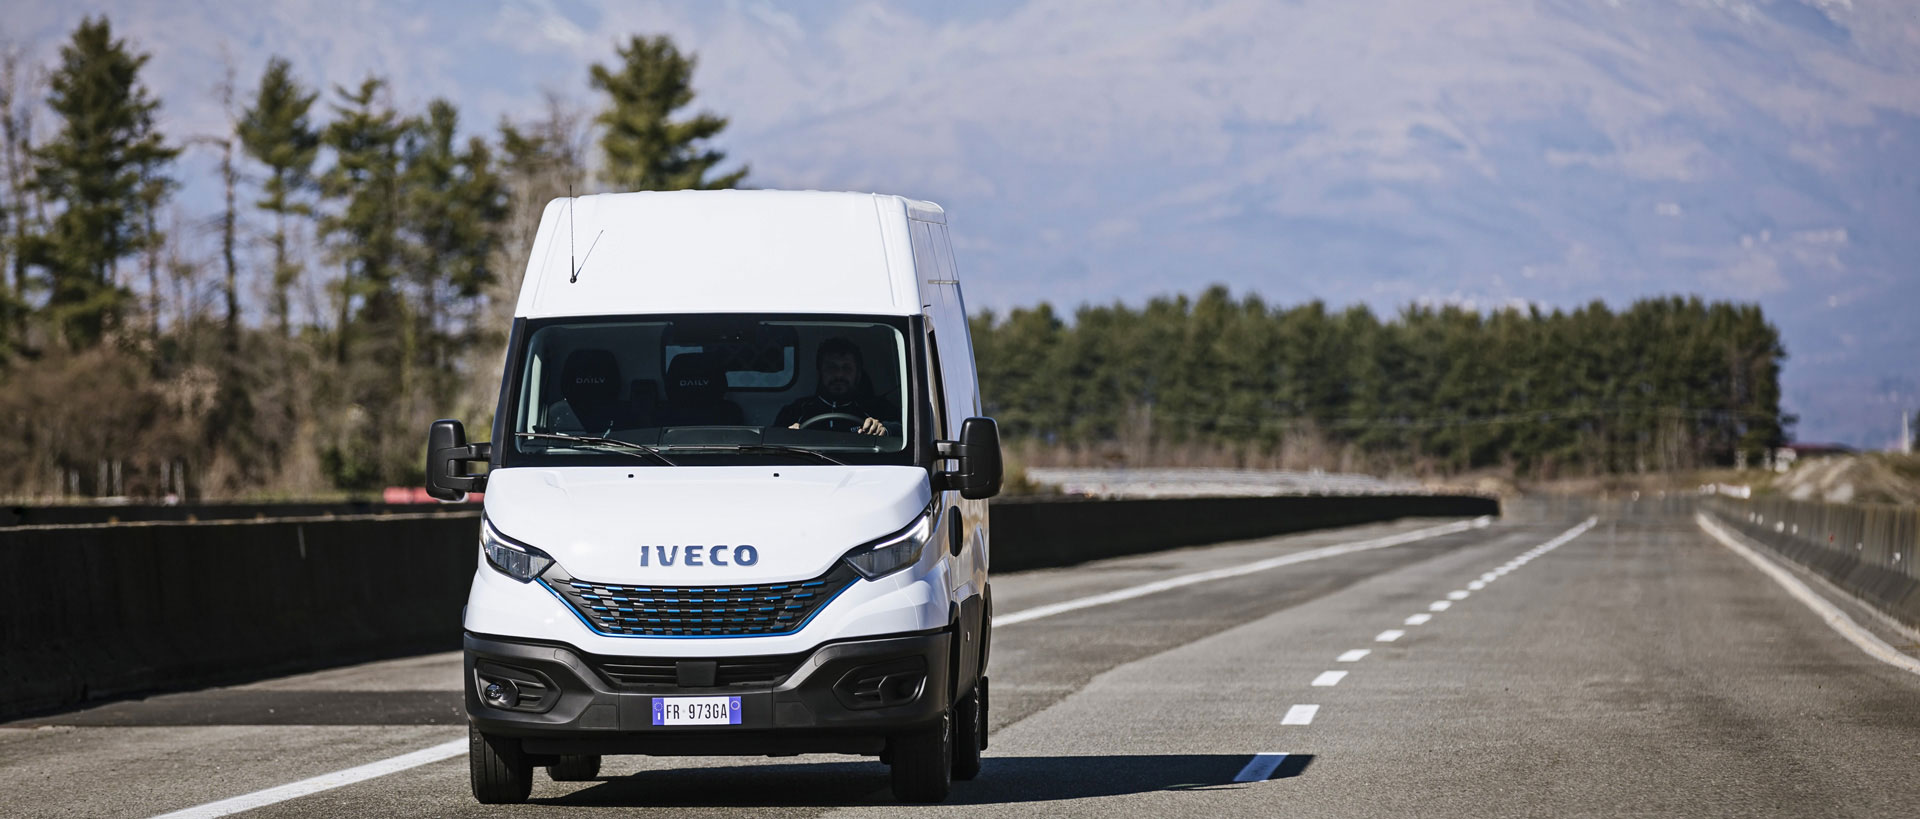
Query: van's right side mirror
978, 451
448, 453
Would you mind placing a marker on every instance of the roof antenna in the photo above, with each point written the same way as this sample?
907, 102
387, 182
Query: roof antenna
573, 275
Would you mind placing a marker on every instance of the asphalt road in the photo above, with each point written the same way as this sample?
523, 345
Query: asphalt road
1638, 667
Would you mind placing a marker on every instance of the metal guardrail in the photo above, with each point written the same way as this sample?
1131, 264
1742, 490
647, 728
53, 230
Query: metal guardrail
1874, 535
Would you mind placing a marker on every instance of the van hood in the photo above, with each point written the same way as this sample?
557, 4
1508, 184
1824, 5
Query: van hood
596, 520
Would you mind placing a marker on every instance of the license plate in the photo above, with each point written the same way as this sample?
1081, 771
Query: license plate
696, 710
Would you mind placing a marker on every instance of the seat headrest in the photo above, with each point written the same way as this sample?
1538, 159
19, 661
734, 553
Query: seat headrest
694, 379
590, 375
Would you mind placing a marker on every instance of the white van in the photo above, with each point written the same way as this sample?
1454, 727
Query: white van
735, 496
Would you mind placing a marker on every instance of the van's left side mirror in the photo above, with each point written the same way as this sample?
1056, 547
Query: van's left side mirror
978, 451
447, 456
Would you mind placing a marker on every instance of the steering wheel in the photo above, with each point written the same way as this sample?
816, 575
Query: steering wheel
831, 416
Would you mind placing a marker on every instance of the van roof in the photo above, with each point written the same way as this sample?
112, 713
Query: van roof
725, 251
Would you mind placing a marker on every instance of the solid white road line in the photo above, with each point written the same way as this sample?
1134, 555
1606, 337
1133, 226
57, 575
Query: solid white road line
1300, 715
1260, 767
1353, 656
1328, 679
323, 782
1238, 571
1419, 619
1388, 636
1834, 617
1439, 605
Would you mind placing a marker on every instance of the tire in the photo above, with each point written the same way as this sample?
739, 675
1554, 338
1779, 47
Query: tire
923, 762
501, 773
969, 732
574, 767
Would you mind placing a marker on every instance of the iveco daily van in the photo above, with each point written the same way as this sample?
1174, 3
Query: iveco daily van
735, 493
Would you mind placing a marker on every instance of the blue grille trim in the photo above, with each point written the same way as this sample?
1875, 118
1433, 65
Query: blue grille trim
718, 607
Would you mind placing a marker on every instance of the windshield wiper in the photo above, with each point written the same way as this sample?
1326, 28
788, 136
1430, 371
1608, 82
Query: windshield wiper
779, 449
636, 450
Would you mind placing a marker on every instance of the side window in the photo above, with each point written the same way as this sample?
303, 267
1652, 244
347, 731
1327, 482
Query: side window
939, 394
926, 260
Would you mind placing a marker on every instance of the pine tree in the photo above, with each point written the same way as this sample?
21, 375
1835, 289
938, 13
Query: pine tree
1670, 383
275, 132
364, 232
106, 155
16, 131
13, 210
645, 149
372, 348
455, 203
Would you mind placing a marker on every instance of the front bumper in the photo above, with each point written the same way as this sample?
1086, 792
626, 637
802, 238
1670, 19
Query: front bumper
574, 703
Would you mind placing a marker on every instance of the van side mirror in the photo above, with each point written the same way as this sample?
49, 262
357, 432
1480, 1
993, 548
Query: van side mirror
978, 451
447, 455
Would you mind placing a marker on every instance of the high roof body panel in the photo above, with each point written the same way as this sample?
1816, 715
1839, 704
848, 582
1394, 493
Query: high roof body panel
725, 251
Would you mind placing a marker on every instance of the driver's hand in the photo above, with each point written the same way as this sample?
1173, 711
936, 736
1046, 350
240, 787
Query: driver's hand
872, 426
794, 425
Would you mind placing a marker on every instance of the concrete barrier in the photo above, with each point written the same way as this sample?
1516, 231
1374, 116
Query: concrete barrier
1869, 550
96, 611
99, 611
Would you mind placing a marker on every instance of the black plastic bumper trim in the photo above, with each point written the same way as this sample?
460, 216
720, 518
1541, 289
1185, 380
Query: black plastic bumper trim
802, 714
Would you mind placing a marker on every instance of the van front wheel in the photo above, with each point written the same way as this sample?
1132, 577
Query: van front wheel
923, 762
500, 771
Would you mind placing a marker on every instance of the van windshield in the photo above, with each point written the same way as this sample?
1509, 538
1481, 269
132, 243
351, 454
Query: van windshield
707, 389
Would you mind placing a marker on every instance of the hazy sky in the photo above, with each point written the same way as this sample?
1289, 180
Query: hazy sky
1486, 152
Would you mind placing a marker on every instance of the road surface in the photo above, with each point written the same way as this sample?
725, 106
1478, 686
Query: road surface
1534, 666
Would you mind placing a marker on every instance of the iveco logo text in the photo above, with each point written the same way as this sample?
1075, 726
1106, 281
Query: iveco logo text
742, 555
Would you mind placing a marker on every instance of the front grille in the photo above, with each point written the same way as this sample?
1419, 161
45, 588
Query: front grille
699, 611
729, 671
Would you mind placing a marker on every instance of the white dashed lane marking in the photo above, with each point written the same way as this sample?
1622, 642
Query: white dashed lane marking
1300, 715
1353, 656
1425, 617
1328, 679
1260, 767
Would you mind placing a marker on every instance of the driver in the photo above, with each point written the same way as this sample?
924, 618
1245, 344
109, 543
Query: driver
839, 390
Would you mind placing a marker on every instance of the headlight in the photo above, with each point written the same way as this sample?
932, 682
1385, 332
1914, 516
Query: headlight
896, 551
516, 560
